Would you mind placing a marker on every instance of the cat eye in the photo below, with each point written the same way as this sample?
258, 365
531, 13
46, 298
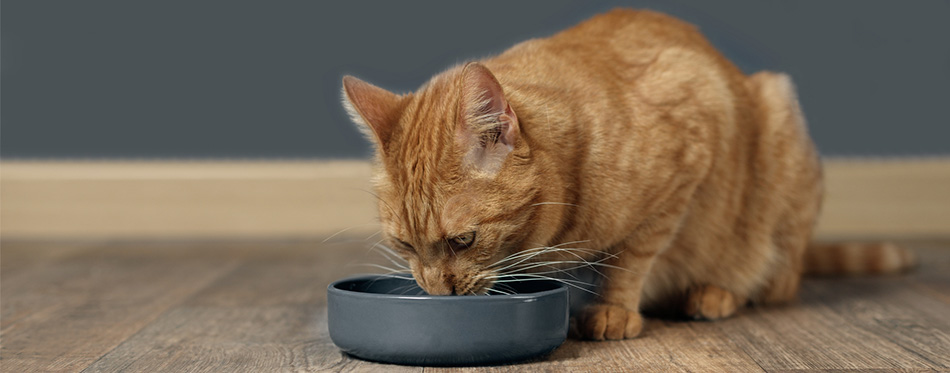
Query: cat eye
462, 242
403, 245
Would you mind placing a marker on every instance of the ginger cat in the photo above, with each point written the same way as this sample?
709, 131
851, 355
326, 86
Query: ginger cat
628, 138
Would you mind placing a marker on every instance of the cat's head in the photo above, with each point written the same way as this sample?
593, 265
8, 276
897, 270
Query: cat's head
454, 175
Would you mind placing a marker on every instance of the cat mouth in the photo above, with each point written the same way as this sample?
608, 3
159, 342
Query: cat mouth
477, 286
482, 284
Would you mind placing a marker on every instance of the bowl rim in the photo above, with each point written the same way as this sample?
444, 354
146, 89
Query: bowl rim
332, 289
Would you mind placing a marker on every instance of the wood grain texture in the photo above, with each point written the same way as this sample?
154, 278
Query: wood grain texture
261, 306
267, 315
266, 200
66, 313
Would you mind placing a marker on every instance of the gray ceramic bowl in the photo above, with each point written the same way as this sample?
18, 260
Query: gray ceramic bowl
390, 319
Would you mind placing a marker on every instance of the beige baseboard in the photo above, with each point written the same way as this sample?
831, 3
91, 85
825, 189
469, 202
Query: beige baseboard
886, 198
154, 200
227, 200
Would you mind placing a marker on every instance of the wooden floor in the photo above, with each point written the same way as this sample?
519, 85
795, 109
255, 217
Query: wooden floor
261, 306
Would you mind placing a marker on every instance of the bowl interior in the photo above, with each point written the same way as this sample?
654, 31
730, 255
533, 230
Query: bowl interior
406, 286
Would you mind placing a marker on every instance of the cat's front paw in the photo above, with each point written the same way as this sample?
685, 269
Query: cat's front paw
608, 321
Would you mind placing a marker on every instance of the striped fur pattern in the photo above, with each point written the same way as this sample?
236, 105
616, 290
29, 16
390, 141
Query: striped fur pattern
857, 258
626, 143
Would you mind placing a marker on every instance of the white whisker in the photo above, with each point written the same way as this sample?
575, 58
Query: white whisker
558, 245
581, 263
528, 277
391, 256
344, 230
531, 253
521, 276
373, 235
498, 291
554, 203
569, 250
553, 268
552, 265
391, 270
373, 246
404, 288
547, 251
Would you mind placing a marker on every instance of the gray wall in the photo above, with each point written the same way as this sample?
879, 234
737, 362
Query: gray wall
226, 79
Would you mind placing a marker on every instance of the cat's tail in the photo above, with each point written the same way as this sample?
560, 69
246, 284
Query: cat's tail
857, 258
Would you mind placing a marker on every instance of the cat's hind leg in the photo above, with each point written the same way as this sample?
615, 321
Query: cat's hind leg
797, 178
782, 287
711, 302
791, 238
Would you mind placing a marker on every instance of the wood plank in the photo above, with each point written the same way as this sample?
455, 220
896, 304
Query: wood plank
575, 355
67, 313
267, 315
16, 258
672, 346
667, 346
931, 277
235, 339
286, 281
292, 274
893, 312
822, 331
260, 306
701, 344
805, 338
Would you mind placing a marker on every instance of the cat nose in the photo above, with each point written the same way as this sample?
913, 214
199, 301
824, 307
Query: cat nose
439, 288
450, 283
437, 283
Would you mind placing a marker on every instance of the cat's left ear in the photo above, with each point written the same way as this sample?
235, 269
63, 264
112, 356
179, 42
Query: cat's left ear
488, 127
375, 110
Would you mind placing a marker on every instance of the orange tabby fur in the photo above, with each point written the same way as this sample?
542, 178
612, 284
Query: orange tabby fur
629, 133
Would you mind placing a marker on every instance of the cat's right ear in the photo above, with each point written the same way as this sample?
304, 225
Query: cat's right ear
375, 110
488, 127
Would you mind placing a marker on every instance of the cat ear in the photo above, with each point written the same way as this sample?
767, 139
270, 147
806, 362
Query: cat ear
488, 127
375, 110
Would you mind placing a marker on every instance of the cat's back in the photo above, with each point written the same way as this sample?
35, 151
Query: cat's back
621, 35
638, 56
623, 27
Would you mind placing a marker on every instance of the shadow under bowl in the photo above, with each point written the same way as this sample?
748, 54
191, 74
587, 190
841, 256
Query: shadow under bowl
390, 319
